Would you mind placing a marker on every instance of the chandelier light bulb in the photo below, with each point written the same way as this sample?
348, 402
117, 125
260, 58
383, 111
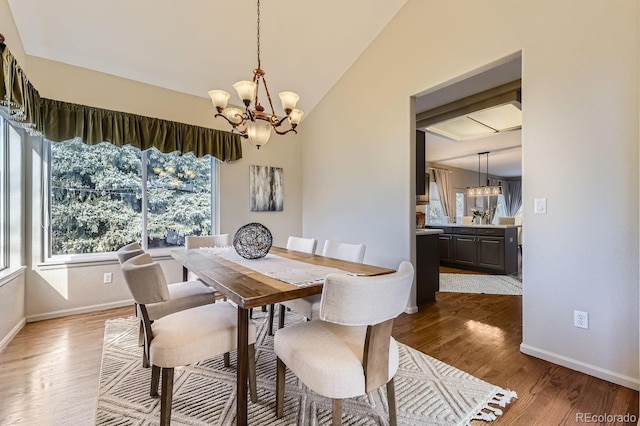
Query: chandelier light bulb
233, 114
259, 132
246, 90
294, 117
219, 98
289, 101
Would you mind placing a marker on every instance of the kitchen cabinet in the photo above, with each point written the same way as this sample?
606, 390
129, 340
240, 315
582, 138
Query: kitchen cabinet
427, 267
483, 248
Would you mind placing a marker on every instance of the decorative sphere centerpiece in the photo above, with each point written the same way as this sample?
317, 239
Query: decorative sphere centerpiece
252, 241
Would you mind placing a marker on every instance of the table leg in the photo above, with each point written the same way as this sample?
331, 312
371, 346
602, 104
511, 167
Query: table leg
242, 367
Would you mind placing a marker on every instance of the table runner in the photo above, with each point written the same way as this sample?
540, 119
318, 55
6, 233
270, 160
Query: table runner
290, 271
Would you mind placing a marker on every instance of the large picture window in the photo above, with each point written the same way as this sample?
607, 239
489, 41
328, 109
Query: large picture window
103, 197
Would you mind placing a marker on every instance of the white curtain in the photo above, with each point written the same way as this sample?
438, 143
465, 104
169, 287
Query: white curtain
512, 191
444, 189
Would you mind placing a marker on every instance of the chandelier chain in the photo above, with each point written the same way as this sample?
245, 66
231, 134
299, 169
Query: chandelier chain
258, 34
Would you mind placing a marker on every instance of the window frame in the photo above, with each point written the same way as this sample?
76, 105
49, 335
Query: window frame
47, 199
4, 193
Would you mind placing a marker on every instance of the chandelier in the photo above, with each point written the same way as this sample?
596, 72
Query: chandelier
254, 122
483, 191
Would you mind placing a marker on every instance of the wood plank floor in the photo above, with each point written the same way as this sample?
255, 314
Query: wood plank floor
49, 372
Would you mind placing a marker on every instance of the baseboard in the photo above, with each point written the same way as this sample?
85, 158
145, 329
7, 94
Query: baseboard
82, 310
583, 367
411, 310
9, 337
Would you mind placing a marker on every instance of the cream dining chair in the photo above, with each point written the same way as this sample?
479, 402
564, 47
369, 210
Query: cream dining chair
309, 307
182, 295
199, 241
349, 351
304, 245
181, 338
467, 220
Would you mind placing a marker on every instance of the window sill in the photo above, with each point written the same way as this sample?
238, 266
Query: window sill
95, 259
6, 275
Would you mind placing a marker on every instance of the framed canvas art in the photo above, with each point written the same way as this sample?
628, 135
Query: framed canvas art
265, 188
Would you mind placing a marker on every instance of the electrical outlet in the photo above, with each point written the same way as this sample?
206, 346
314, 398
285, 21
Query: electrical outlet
581, 319
108, 276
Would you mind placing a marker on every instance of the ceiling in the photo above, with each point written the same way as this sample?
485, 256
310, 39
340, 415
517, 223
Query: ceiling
305, 46
505, 158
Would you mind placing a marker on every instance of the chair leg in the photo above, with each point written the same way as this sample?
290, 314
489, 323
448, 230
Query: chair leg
145, 357
281, 317
155, 380
391, 399
227, 360
252, 373
141, 334
280, 374
272, 309
264, 308
166, 397
336, 412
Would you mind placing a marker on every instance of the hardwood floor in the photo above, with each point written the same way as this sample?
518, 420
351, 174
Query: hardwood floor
49, 372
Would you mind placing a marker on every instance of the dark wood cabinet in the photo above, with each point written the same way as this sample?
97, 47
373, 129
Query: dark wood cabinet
427, 268
491, 252
485, 249
446, 247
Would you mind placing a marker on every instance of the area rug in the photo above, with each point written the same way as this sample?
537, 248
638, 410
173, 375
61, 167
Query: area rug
475, 283
428, 392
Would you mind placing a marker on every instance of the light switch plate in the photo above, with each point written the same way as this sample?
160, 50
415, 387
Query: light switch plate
540, 205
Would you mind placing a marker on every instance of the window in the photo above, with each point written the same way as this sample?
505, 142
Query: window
99, 203
4, 173
434, 209
459, 206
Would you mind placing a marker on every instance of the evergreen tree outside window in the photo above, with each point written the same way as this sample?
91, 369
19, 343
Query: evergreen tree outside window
99, 202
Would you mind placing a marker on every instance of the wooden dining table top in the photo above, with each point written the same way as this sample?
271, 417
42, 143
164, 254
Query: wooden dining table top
250, 289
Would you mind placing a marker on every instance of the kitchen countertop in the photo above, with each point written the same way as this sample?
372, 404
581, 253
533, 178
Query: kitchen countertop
423, 231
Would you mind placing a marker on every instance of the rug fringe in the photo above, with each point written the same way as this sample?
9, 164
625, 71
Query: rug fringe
490, 413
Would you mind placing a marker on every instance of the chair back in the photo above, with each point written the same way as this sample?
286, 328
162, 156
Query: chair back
305, 245
145, 280
467, 220
197, 241
357, 300
344, 251
506, 221
127, 252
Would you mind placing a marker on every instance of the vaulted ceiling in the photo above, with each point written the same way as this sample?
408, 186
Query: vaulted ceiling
195, 46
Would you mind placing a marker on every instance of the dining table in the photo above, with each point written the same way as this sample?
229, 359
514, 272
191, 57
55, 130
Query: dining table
249, 288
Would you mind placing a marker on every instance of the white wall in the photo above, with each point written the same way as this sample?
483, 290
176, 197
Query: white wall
580, 143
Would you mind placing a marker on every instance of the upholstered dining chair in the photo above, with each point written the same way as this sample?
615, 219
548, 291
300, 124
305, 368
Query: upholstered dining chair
309, 307
182, 295
349, 351
304, 245
467, 220
199, 241
181, 338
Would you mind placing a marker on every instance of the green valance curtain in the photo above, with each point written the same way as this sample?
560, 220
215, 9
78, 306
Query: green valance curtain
59, 121
17, 95
64, 121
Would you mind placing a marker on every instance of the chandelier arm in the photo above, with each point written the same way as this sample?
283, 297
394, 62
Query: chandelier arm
285, 132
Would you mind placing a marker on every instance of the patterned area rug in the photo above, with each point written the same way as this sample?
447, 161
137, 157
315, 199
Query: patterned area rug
486, 284
428, 392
